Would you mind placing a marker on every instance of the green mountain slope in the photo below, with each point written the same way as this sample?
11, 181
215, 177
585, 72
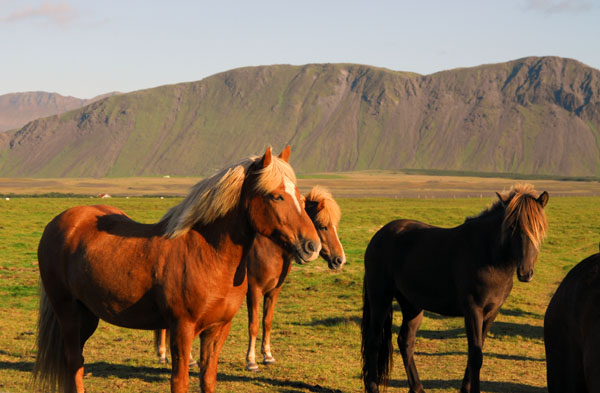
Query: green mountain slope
531, 116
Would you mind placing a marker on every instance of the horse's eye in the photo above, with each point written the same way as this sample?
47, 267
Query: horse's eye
322, 228
277, 197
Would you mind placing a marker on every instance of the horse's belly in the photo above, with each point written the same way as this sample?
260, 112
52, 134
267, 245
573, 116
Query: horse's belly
142, 314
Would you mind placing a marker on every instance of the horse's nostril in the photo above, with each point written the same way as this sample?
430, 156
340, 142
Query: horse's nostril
337, 261
309, 246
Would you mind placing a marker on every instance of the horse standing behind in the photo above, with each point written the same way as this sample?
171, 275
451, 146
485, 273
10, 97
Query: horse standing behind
268, 266
185, 273
572, 331
462, 271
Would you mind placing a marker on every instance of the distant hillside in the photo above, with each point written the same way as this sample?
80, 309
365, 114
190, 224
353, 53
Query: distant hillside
528, 116
17, 109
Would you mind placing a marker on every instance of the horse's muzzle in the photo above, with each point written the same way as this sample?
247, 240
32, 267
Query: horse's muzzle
336, 262
308, 250
525, 277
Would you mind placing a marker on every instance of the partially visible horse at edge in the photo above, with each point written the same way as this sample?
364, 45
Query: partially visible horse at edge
185, 273
572, 331
268, 266
463, 271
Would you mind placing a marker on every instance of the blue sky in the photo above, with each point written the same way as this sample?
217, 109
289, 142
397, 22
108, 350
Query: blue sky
86, 48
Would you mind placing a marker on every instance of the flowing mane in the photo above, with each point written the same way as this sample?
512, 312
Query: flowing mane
521, 210
217, 195
329, 211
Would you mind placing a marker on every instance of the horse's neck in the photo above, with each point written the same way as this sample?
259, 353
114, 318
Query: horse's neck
487, 232
230, 237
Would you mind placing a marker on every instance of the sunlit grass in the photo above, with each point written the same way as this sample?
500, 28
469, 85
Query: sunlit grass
316, 332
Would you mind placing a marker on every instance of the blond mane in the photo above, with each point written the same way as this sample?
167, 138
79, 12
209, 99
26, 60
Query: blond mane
523, 210
329, 212
217, 195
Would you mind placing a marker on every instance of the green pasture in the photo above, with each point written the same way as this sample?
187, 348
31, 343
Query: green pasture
316, 338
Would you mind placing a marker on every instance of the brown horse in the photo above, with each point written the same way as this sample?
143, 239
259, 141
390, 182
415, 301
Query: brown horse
572, 331
462, 271
268, 266
185, 273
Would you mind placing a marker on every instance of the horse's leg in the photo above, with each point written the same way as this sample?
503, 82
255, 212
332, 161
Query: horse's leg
474, 328
182, 335
160, 341
252, 302
212, 341
411, 320
268, 309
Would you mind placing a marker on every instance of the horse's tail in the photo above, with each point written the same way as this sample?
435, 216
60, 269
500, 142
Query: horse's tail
386, 350
49, 371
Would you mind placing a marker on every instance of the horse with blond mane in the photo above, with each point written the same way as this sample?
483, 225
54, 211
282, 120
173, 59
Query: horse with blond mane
268, 266
463, 271
185, 273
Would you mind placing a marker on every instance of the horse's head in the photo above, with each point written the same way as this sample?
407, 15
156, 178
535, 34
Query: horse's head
523, 228
325, 214
276, 208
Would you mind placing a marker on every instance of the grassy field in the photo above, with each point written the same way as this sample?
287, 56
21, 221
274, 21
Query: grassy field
316, 338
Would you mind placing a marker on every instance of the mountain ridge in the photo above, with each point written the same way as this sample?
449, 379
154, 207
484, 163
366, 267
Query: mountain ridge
17, 109
535, 115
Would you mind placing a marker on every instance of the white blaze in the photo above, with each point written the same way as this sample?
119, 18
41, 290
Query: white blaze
290, 188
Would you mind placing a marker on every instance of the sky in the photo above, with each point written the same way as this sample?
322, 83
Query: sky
86, 48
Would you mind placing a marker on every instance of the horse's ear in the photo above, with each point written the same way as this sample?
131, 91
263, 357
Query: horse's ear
285, 154
543, 199
321, 205
502, 199
267, 158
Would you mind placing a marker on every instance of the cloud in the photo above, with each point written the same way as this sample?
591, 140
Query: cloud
559, 6
60, 14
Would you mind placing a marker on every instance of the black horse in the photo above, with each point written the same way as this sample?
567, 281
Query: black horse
572, 331
463, 271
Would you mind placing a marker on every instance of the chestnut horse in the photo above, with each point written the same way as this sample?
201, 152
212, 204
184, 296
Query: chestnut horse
462, 271
185, 273
572, 331
268, 266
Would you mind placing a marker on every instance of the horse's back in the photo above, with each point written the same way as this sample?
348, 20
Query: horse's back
392, 239
420, 260
572, 330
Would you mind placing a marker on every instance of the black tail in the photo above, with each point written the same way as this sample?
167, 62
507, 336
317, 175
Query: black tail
381, 339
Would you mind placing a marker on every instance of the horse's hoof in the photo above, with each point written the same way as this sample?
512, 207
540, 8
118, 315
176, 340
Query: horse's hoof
269, 360
163, 361
192, 363
252, 366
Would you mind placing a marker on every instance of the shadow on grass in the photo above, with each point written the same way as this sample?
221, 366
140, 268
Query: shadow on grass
485, 354
147, 374
333, 321
499, 329
17, 366
454, 384
278, 383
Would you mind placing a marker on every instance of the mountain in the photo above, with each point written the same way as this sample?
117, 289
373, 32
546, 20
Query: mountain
536, 115
17, 109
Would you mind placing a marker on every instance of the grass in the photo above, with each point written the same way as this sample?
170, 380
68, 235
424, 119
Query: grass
316, 338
